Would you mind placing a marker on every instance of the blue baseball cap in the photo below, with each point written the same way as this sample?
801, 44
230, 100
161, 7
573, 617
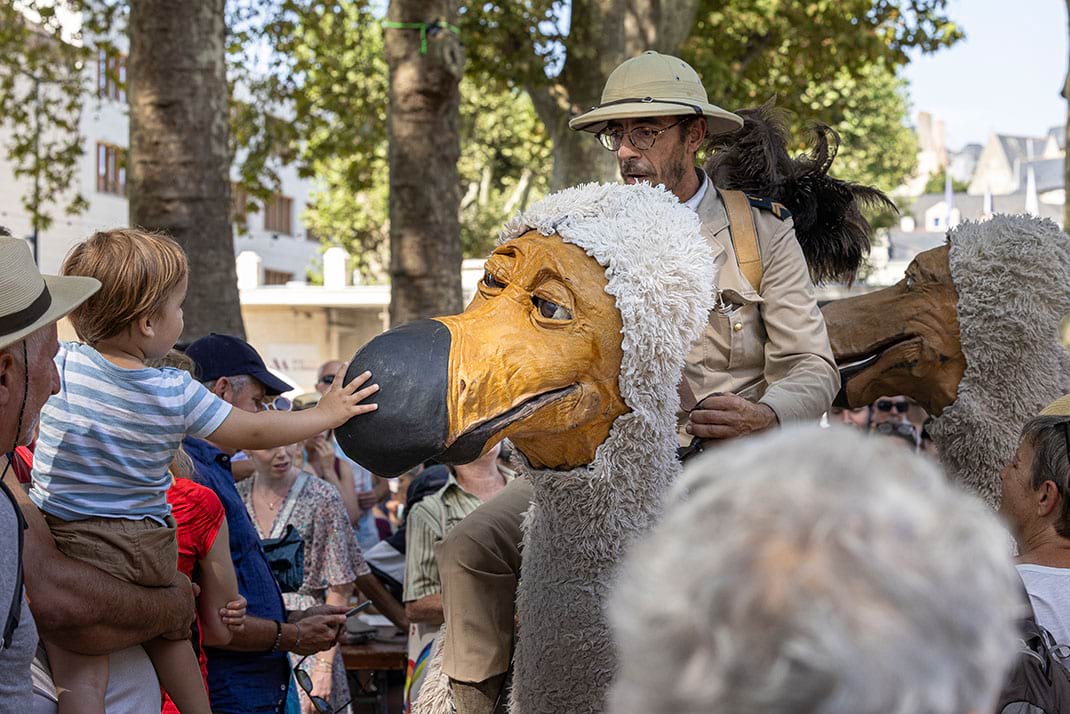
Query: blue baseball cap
228, 356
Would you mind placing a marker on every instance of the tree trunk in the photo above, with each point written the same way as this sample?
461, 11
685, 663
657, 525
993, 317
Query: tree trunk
603, 33
424, 145
179, 162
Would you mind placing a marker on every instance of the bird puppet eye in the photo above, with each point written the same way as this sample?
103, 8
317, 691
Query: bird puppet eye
491, 282
550, 310
910, 282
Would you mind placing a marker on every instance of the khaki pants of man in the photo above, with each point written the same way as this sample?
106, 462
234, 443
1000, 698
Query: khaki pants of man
479, 563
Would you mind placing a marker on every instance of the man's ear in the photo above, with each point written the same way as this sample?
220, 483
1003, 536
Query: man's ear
222, 388
1047, 499
696, 134
8, 388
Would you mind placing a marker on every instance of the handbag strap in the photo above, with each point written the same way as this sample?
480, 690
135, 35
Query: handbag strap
278, 529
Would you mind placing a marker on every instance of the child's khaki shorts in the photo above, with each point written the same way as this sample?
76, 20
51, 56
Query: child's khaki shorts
141, 552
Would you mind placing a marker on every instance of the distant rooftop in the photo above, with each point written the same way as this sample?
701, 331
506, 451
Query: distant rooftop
971, 208
1022, 148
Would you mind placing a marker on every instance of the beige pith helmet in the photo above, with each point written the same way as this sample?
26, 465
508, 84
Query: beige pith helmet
655, 85
1060, 407
29, 300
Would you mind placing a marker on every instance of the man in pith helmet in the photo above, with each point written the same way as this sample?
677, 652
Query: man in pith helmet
763, 360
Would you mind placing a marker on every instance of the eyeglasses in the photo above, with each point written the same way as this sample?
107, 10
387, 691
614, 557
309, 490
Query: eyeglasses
304, 680
278, 404
887, 405
641, 137
327, 379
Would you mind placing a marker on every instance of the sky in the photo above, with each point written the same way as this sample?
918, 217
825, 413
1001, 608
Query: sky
1006, 76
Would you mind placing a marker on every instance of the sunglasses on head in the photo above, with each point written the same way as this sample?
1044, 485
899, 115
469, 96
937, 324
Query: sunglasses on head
887, 405
304, 680
279, 403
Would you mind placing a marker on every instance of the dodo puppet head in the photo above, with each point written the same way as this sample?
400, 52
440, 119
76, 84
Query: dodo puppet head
585, 312
972, 333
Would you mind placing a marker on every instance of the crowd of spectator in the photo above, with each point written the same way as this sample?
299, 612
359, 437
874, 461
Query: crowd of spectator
898, 417
266, 534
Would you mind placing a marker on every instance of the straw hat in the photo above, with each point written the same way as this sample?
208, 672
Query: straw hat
29, 300
1060, 407
655, 85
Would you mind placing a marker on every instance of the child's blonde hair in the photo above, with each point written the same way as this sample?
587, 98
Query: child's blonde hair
137, 270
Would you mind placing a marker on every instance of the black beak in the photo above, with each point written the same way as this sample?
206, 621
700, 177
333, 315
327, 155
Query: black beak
848, 370
410, 364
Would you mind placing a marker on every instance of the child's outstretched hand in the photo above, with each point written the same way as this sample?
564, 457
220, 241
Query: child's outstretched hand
233, 614
342, 403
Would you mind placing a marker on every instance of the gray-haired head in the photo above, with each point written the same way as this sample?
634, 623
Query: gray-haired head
1049, 437
815, 571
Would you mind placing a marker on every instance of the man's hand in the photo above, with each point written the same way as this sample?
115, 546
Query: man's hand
367, 500
726, 416
316, 633
320, 456
322, 682
185, 607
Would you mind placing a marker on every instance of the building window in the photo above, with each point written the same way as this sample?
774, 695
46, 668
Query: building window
111, 169
278, 215
277, 277
111, 76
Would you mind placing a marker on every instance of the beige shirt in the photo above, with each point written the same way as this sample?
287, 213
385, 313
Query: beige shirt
772, 336
425, 526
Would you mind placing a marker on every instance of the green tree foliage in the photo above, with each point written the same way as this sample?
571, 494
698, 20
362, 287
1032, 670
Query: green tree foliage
868, 111
830, 61
43, 79
308, 84
324, 64
505, 160
311, 80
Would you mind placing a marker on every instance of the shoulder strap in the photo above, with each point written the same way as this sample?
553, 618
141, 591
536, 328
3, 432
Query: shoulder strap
288, 508
744, 236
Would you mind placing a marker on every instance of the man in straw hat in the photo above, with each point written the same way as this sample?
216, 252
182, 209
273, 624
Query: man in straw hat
764, 357
74, 603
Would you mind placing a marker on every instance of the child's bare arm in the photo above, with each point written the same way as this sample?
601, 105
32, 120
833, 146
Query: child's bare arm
268, 429
219, 586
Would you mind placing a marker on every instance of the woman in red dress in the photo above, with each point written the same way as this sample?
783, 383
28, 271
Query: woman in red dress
204, 557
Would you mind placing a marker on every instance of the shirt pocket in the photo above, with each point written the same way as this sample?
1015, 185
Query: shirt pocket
746, 332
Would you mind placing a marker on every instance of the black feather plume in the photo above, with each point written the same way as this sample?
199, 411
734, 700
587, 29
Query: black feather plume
827, 211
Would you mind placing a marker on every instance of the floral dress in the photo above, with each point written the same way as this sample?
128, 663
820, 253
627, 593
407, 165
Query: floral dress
332, 555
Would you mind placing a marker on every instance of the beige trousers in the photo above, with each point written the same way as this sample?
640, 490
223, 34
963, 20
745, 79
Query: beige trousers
479, 563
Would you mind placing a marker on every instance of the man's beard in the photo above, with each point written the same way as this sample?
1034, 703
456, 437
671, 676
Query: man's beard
675, 169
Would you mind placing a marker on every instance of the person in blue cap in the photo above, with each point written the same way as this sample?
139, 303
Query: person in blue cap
252, 674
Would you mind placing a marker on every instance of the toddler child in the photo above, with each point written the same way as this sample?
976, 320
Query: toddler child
107, 439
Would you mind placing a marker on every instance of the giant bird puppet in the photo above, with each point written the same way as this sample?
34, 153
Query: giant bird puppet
574, 344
